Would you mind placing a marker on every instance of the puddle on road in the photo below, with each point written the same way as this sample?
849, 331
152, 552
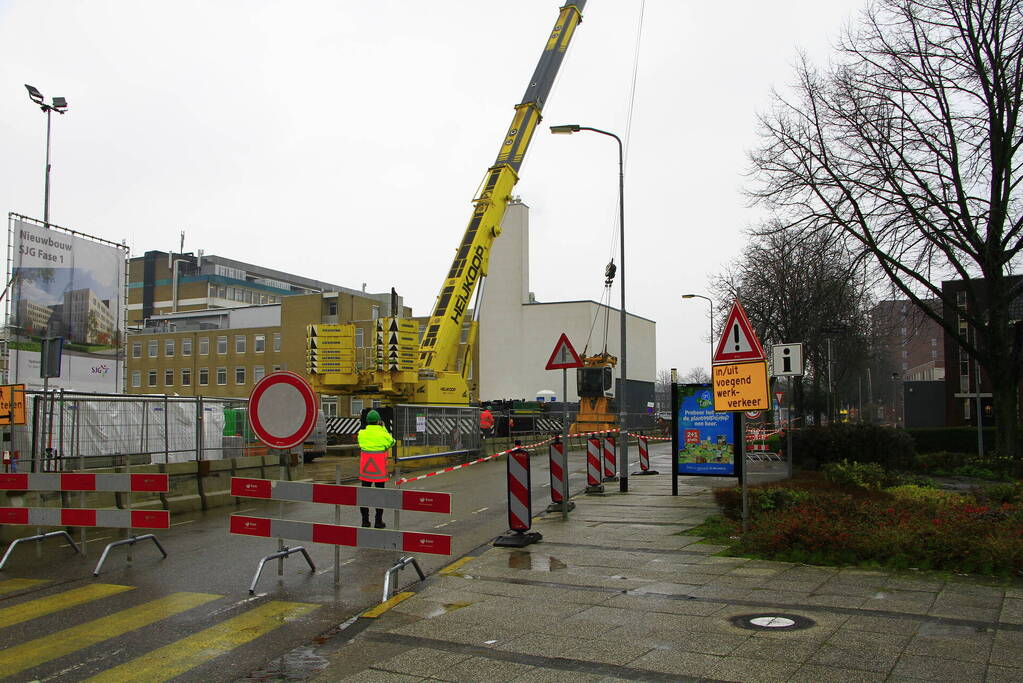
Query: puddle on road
520, 559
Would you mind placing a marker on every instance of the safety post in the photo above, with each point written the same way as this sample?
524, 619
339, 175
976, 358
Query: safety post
520, 508
85, 517
644, 456
610, 460
593, 457
338, 534
559, 478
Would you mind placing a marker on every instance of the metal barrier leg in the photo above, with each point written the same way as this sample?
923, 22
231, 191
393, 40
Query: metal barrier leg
37, 537
283, 553
128, 542
390, 574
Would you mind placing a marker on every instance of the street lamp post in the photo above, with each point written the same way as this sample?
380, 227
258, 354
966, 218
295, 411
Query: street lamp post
711, 302
623, 462
59, 105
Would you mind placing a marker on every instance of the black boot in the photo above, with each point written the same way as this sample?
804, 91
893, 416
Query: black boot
365, 517
380, 520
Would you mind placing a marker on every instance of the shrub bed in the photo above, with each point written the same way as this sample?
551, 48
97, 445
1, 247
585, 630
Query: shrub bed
909, 525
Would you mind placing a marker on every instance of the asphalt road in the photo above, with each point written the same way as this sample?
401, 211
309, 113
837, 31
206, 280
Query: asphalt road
191, 616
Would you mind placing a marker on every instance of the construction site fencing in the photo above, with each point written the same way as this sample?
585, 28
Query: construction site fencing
424, 429
69, 431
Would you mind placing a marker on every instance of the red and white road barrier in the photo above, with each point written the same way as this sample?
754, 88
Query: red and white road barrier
334, 534
594, 452
85, 517
610, 464
405, 480
338, 534
83, 481
338, 494
520, 502
559, 472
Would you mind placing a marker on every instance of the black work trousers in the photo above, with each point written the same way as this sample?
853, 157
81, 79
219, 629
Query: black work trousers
365, 511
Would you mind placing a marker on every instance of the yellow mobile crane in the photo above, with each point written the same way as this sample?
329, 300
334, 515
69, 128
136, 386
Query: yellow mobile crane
429, 371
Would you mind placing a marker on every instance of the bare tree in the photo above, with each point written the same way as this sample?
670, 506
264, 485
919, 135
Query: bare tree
906, 147
697, 375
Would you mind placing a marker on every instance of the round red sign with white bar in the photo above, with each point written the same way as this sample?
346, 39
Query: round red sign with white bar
282, 409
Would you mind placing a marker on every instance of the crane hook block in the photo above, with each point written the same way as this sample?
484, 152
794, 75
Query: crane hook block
609, 272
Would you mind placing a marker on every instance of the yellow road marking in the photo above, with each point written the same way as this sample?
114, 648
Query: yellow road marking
54, 603
11, 585
41, 650
375, 612
456, 565
180, 656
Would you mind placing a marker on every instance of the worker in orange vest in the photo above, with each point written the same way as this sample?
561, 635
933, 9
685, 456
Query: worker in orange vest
374, 444
487, 423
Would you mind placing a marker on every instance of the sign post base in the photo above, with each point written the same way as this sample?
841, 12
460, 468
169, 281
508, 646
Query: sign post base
517, 539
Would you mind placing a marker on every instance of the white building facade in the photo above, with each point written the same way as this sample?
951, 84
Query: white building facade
518, 334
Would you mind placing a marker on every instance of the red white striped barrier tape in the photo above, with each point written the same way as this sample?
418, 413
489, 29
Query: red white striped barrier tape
405, 480
78, 481
335, 534
121, 519
338, 494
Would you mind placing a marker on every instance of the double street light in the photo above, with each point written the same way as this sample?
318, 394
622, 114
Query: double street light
623, 479
59, 105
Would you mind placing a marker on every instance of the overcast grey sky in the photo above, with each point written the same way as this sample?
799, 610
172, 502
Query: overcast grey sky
344, 140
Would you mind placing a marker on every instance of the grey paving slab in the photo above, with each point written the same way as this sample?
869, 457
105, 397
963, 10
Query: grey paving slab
777, 649
815, 673
475, 669
1012, 611
1003, 674
883, 624
420, 661
939, 669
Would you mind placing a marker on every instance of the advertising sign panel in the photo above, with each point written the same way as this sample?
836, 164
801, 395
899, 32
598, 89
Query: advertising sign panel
71, 286
706, 442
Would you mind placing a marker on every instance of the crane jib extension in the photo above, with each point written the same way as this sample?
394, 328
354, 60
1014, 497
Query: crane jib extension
439, 347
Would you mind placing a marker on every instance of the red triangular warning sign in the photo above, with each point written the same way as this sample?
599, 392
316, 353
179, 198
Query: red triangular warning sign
738, 341
564, 356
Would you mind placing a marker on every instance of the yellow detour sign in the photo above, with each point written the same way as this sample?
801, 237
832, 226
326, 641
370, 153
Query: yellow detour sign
741, 386
12, 404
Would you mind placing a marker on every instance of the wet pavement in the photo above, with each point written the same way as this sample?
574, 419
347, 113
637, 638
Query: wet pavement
616, 592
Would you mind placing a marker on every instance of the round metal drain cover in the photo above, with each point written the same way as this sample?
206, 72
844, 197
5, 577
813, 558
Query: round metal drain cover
772, 622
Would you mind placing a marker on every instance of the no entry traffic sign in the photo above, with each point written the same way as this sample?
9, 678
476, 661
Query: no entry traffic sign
282, 409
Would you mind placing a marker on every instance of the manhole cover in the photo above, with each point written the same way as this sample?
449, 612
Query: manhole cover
772, 622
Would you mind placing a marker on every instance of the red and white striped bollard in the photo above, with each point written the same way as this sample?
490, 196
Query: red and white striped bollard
593, 457
520, 504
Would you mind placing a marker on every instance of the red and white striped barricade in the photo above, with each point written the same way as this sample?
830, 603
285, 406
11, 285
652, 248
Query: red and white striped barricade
520, 503
559, 478
85, 517
594, 453
610, 464
644, 456
337, 534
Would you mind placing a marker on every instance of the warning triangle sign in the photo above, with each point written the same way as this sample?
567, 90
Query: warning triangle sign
738, 342
564, 355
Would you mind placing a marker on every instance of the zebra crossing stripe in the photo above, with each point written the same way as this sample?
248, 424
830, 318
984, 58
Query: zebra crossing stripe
47, 648
14, 585
33, 609
178, 657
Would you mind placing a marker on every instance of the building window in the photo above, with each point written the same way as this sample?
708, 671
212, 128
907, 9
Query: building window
186, 377
136, 378
186, 347
221, 376
212, 290
239, 343
259, 343
222, 345
277, 341
136, 349
258, 372
356, 409
239, 375
276, 368
376, 312
359, 337
204, 346
168, 348
332, 307
204, 377
152, 378
154, 347
168, 378
328, 404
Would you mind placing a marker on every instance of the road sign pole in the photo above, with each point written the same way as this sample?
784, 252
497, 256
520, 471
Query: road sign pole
564, 440
742, 473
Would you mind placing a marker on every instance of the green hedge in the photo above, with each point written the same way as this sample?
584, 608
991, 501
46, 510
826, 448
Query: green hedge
954, 439
856, 442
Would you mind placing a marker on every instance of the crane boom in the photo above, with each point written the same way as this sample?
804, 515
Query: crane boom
439, 347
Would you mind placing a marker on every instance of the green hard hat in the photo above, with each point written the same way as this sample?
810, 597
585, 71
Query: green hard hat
372, 417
